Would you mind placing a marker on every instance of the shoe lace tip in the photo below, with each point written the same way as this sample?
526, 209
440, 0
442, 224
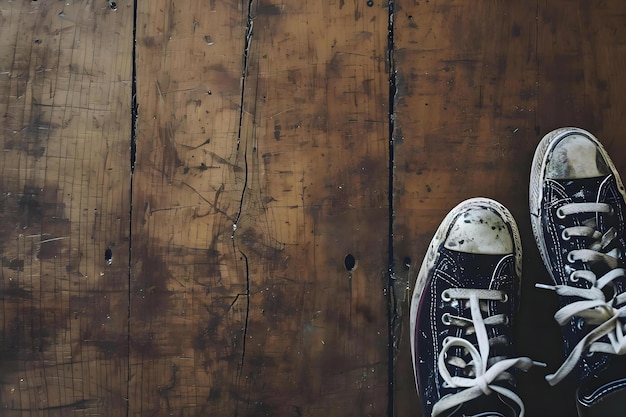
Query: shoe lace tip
545, 287
551, 379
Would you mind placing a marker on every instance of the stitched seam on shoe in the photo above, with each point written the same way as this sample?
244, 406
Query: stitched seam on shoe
590, 399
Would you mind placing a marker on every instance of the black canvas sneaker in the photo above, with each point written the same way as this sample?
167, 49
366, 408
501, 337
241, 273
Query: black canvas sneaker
577, 215
462, 309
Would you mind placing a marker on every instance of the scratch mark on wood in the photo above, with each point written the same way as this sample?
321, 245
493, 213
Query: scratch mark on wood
77, 405
224, 161
206, 142
281, 112
214, 207
163, 391
217, 196
53, 239
158, 86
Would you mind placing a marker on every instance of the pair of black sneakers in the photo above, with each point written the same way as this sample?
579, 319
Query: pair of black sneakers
467, 289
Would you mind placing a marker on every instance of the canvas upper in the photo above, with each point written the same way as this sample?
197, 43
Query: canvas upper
462, 313
577, 203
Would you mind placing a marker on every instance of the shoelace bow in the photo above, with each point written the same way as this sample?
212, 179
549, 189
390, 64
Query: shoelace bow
484, 370
593, 308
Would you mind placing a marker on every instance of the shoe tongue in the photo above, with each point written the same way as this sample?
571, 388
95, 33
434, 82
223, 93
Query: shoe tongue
591, 190
582, 190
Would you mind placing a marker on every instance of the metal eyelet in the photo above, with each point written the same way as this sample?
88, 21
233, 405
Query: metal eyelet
445, 296
573, 277
560, 213
445, 319
506, 298
570, 258
565, 235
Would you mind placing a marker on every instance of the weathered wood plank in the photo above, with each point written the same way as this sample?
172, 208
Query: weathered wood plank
65, 88
478, 85
249, 198
186, 321
315, 140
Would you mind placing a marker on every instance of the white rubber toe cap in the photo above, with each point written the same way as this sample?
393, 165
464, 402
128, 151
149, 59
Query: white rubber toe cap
576, 156
480, 231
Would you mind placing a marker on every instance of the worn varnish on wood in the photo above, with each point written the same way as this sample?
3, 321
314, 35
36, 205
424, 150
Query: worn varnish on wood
65, 84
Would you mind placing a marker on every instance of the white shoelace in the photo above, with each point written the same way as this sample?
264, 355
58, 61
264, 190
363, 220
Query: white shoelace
483, 370
594, 308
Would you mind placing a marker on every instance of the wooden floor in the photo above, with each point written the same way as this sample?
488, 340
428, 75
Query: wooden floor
216, 208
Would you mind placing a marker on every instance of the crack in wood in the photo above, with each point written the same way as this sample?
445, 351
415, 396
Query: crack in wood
248, 40
393, 319
245, 326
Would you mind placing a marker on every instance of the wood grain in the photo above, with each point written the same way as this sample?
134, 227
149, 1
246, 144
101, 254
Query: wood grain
65, 83
261, 164
479, 84
186, 324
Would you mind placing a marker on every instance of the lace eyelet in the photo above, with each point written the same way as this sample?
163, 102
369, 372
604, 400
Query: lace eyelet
570, 258
445, 319
573, 277
507, 321
445, 296
565, 235
446, 340
560, 213
505, 299
580, 323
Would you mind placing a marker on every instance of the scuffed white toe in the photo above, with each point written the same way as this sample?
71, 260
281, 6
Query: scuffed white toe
480, 231
576, 156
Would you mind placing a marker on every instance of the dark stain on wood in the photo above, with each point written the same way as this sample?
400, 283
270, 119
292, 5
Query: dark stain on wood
152, 41
263, 246
30, 209
516, 31
170, 160
110, 348
150, 295
225, 80
14, 264
143, 344
208, 333
14, 292
36, 133
26, 337
265, 8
